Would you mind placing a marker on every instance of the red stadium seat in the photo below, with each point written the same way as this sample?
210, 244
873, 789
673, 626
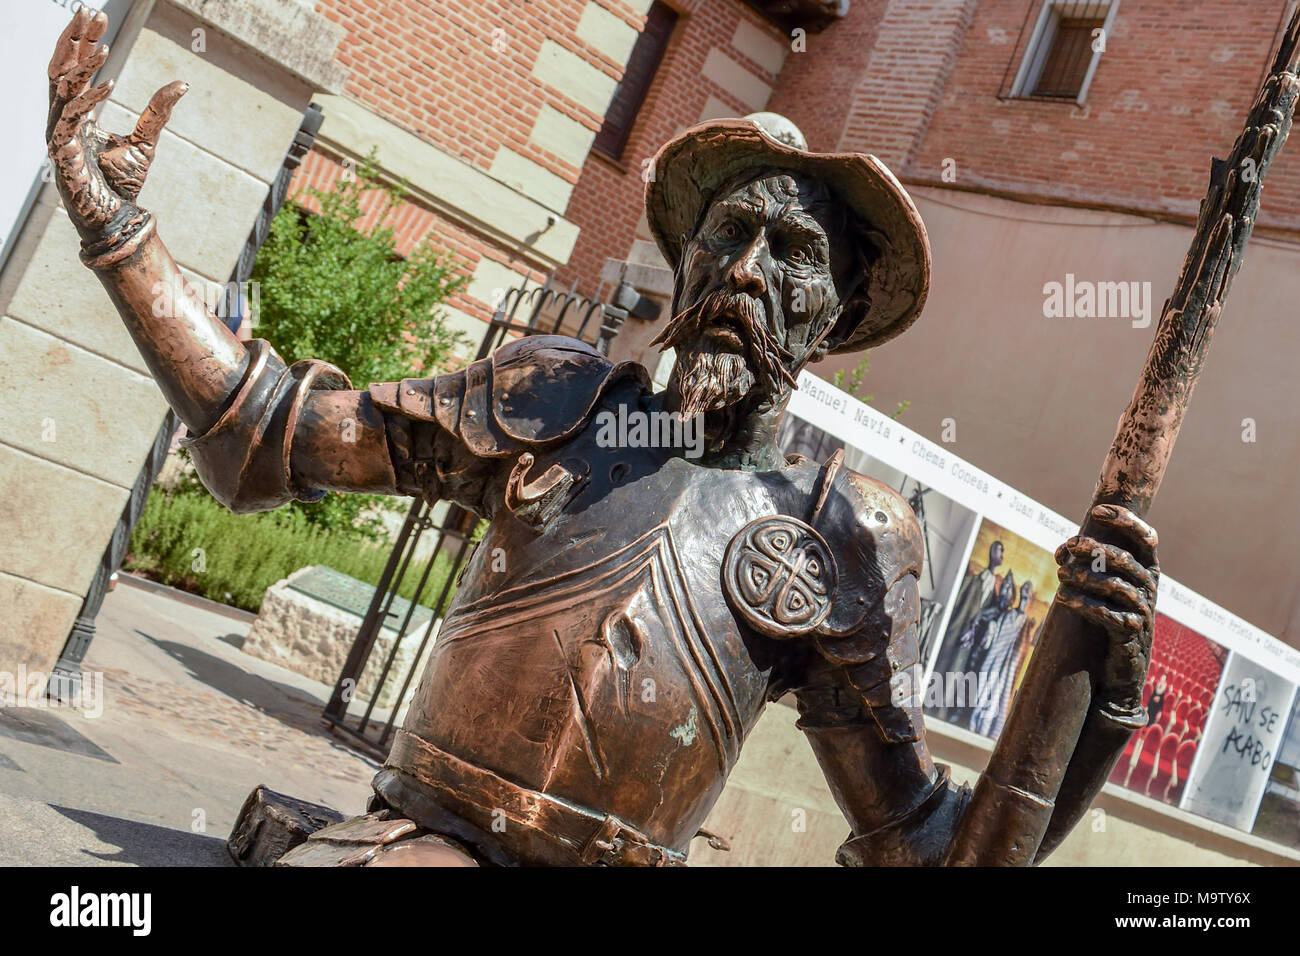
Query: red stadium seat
1166, 715
1164, 767
1143, 756
1180, 718
1182, 767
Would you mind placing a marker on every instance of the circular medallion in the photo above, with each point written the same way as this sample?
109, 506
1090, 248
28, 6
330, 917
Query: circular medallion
780, 575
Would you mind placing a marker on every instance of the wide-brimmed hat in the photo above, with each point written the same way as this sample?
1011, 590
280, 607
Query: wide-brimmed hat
690, 168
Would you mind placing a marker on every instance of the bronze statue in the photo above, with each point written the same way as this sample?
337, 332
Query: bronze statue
631, 609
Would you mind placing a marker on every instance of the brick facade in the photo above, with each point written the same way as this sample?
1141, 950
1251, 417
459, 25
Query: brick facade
1143, 139
460, 75
513, 92
817, 84
917, 82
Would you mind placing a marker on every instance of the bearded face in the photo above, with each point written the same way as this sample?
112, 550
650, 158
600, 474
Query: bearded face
756, 294
723, 350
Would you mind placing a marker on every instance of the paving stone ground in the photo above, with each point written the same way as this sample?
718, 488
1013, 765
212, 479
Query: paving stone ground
189, 725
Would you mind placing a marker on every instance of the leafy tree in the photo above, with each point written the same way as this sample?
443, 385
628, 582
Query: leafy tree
331, 287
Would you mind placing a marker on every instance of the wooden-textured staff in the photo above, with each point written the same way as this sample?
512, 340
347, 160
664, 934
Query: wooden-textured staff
1055, 753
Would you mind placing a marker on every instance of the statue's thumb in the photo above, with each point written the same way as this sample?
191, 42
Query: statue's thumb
157, 113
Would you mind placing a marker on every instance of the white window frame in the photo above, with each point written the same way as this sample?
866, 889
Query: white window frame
1044, 35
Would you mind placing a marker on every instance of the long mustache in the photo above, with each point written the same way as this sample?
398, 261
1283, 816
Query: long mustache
767, 354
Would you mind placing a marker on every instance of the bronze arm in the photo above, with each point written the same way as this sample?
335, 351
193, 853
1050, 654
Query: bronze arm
194, 358
262, 434
902, 809
860, 707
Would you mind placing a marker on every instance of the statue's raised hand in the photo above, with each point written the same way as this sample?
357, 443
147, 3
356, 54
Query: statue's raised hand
99, 174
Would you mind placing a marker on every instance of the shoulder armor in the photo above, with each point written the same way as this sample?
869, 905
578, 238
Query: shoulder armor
876, 541
872, 628
531, 392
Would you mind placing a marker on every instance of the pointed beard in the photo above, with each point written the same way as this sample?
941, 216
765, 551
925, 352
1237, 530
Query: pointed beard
711, 380
709, 377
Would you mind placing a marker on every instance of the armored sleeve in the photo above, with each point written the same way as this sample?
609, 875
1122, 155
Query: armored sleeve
871, 633
246, 458
449, 435
860, 699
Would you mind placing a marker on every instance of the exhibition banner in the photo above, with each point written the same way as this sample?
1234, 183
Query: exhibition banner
1242, 739
1223, 733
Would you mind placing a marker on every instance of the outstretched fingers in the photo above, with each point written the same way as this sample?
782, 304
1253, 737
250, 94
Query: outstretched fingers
74, 82
77, 56
67, 49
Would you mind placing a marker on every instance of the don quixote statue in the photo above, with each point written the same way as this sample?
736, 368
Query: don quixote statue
587, 697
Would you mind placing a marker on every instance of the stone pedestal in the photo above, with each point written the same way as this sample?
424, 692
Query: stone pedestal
310, 636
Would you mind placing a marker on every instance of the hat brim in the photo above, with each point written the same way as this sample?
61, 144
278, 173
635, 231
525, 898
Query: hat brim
690, 168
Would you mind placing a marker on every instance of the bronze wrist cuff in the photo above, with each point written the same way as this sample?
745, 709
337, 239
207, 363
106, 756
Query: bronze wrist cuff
123, 240
920, 836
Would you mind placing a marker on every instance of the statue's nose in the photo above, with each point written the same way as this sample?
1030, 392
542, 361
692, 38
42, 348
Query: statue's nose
746, 273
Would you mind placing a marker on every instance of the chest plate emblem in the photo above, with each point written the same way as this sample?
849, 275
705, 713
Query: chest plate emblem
780, 576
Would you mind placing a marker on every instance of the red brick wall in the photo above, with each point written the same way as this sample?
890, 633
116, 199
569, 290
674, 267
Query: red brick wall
1170, 91
608, 201
430, 67
1141, 143
816, 86
915, 49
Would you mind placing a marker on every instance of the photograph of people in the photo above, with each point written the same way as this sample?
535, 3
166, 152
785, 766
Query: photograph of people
1000, 604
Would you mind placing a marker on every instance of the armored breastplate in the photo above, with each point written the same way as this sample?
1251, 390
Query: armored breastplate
596, 660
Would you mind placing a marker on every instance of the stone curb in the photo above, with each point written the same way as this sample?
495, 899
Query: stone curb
185, 597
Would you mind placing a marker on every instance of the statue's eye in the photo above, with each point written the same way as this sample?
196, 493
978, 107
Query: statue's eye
798, 254
729, 231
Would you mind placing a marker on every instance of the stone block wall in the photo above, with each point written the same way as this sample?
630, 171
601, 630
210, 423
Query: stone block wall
78, 410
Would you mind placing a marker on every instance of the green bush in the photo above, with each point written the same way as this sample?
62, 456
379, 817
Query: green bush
186, 540
333, 289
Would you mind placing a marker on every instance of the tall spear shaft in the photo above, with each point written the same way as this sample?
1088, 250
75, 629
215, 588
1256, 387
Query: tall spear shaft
1053, 754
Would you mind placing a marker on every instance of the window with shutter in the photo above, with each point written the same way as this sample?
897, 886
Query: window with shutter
1068, 59
1064, 49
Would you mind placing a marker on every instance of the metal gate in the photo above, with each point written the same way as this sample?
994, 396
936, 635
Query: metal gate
541, 310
